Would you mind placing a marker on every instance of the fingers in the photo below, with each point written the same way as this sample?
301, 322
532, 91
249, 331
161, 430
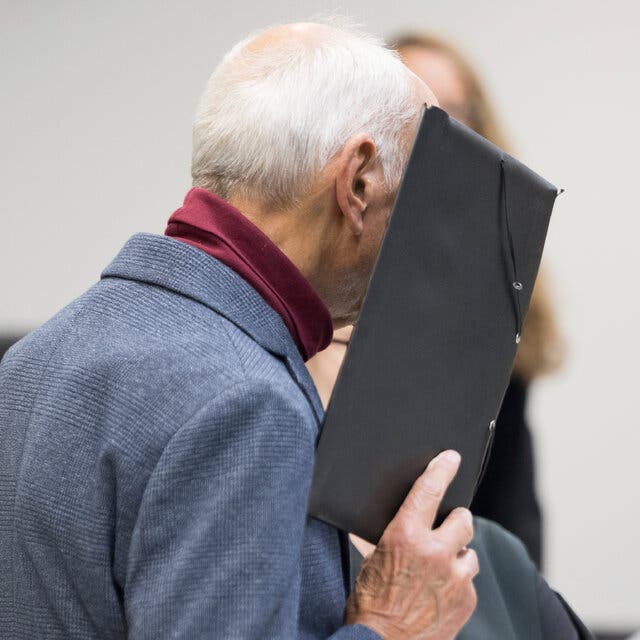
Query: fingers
365, 548
457, 529
413, 559
427, 492
468, 565
468, 603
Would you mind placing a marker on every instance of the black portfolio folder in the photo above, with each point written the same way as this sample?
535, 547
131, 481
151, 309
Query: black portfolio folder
431, 356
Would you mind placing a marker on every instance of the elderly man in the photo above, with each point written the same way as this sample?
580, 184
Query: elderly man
157, 435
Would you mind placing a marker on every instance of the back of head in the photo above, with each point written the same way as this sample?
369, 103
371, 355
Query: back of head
283, 102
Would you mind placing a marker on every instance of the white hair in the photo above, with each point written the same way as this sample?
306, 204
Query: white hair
272, 116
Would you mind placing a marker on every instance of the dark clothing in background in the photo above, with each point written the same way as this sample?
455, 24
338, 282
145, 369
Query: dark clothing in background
507, 493
514, 601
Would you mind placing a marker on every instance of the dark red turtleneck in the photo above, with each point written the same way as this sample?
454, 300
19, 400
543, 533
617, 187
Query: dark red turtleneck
211, 224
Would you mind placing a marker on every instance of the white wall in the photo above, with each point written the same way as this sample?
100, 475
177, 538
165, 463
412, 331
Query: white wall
96, 102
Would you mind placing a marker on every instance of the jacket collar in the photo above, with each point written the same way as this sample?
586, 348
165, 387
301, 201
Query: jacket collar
181, 268
211, 224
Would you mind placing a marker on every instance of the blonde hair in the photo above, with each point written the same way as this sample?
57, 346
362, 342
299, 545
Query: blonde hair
541, 349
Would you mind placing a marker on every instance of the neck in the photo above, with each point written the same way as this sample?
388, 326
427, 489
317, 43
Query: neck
296, 232
218, 228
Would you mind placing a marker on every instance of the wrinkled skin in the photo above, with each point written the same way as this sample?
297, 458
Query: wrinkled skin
417, 582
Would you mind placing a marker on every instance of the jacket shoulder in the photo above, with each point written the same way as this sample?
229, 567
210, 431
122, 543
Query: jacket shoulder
132, 363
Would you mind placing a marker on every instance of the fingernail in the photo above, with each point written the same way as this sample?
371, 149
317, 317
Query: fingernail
451, 456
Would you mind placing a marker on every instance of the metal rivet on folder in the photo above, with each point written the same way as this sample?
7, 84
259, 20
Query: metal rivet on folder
517, 338
517, 285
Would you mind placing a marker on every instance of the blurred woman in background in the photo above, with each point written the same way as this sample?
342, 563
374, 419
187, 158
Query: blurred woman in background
507, 493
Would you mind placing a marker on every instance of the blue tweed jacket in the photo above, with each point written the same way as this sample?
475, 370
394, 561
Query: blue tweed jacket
156, 446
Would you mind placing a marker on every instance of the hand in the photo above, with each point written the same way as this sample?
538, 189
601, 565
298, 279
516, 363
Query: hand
417, 583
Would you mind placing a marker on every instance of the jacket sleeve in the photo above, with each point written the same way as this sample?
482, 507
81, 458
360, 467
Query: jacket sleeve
215, 551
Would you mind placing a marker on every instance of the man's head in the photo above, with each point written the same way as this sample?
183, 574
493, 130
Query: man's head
306, 128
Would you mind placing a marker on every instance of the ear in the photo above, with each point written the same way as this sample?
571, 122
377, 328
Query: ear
357, 179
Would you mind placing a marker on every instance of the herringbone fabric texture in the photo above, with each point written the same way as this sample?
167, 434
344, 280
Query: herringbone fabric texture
156, 446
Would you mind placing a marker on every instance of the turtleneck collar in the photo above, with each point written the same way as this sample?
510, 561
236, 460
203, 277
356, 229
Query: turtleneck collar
211, 224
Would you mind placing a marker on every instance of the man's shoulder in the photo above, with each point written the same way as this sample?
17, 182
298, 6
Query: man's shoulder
132, 364
130, 333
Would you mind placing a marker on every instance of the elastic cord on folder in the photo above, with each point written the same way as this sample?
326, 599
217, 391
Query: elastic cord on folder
516, 285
